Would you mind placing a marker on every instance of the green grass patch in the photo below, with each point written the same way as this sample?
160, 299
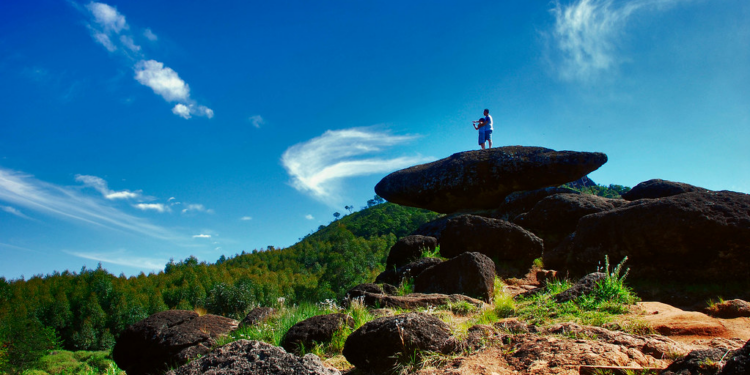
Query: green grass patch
63, 362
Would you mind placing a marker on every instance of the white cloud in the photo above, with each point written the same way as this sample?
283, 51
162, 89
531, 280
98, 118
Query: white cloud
68, 203
101, 186
14, 211
246, 218
202, 236
158, 207
256, 120
150, 35
196, 208
107, 17
128, 42
319, 165
104, 40
185, 111
121, 257
163, 80
309, 217
586, 34
182, 111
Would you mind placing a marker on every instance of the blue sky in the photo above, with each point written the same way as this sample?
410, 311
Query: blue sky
133, 132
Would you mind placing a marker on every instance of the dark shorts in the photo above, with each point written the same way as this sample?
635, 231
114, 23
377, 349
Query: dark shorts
484, 136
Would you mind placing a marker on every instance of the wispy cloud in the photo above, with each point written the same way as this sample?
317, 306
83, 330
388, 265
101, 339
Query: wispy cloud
25, 191
246, 218
309, 217
586, 35
158, 207
14, 211
319, 166
196, 208
256, 120
101, 186
110, 29
121, 257
202, 236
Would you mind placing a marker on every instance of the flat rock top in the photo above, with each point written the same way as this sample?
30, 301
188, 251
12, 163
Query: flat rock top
482, 179
687, 326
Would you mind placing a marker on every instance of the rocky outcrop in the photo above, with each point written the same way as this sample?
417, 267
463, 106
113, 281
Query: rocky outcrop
584, 286
696, 237
498, 239
415, 300
739, 362
433, 228
470, 274
523, 201
257, 316
735, 308
657, 188
254, 357
378, 345
413, 269
409, 249
318, 329
482, 179
697, 362
555, 217
168, 339
361, 289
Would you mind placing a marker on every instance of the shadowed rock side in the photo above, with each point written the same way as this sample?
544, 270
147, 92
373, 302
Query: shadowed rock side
413, 269
657, 188
482, 179
318, 329
415, 300
409, 249
697, 237
166, 339
254, 357
470, 274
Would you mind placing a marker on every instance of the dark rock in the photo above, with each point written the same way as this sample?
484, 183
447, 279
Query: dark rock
544, 276
738, 363
413, 269
254, 357
735, 308
690, 237
554, 218
318, 329
582, 182
257, 315
478, 336
168, 339
482, 179
498, 239
433, 228
656, 188
409, 249
377, 345
470, 274
584, 286
360, 290
697, 362
523, 201
415, 300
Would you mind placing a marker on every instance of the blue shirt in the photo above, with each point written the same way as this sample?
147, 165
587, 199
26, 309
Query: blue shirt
487, 123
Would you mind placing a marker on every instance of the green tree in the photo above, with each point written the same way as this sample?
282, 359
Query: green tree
23, 341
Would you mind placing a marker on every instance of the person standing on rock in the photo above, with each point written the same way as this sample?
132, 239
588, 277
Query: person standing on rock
485, 129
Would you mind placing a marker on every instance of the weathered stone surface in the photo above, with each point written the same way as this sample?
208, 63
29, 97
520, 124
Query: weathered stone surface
359, 291
318, 329
413, 269
695, 237
657, 188
482, 179
669, 320
254, 357
555, 217
497, 239
409, 249
257, 316
738, 363
376, 345
415, 300
470, 274
167, 339
584, 286
697, 362
523, 201
735, 308
433, 228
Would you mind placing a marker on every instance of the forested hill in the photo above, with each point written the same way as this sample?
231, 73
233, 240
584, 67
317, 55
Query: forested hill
87, 310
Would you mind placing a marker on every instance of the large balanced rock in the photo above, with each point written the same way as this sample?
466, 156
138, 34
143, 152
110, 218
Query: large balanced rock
168, 339
498, 239
408, 249
254, 357
413, 269
701, 237
555, 217
482, 179
318, 329
470, 274
657, 188
377, 345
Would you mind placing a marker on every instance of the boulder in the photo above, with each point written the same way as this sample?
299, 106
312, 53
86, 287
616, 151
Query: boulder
168, 339
318, 329
257, 316
476, 180
738, 363
359, 291
656, 188
697, 362
413, 269
555, 217
416, 300
690, 237
378, 345
523, 201
409, 249
584, 286
470, 274
254, 357
735, 308
433, 228
500, 240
